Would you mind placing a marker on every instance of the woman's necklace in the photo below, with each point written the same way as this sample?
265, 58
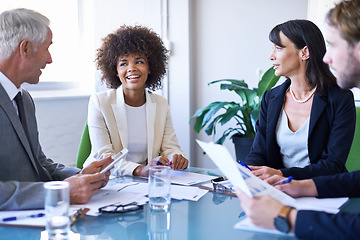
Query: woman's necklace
306, 99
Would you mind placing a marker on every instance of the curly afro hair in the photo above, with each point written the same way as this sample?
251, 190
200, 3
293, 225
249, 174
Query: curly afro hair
129, 40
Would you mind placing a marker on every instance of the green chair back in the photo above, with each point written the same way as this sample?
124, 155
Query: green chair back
84, 147
353, 161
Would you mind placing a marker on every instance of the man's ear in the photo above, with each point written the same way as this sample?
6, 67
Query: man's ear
304, 53
25, 48
356, 51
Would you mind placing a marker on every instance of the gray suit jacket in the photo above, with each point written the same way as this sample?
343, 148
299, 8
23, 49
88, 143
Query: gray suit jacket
24, 166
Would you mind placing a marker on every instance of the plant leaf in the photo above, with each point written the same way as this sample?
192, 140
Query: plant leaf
245, 93
231, 112
215, 107
241, 83
268, 80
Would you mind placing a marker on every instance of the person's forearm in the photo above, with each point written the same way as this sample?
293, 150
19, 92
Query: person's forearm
292, 219
309, 188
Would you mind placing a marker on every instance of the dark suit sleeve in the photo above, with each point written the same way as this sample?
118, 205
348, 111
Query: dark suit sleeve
257, 155
313, 224
21, 195
321, 225
331, 160
57, 171
339, 185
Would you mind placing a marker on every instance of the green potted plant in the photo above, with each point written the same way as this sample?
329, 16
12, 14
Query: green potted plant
244, 110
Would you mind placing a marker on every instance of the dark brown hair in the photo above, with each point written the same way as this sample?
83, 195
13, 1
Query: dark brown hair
305, 33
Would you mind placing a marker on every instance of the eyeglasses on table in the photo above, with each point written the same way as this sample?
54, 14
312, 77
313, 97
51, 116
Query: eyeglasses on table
120, 208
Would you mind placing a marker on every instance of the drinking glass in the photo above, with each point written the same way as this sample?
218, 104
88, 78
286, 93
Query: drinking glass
57, 209
159, 187
159, 225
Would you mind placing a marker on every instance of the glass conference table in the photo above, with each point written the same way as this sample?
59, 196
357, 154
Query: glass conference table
212, 217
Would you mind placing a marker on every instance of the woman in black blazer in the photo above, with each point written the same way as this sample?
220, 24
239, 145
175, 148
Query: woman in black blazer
306, 125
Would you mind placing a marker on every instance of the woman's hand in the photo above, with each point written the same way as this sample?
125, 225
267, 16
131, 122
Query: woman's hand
143, 171
264, 172
179, 162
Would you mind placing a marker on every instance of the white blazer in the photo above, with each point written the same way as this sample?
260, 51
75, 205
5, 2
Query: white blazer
108, 128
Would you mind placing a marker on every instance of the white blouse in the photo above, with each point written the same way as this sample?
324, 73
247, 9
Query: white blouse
137, 134
293, 145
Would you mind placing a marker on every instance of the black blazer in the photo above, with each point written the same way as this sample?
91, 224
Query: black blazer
331, 131
321, 225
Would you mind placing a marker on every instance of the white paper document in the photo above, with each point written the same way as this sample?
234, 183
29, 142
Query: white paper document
124, 193
119, 193
23, 220
240, 176
189, 178
26, 217
246, 225
187, 192
329, 205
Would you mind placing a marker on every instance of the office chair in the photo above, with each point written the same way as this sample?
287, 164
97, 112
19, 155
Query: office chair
84, 147
353, 160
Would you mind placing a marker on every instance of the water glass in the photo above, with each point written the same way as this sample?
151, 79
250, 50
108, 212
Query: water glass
57, 202
159, 187
119, 175
159, 225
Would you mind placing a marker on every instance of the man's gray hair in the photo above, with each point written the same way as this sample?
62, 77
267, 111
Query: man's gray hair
19, 24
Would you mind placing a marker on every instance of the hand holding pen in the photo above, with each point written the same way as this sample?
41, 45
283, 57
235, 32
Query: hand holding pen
178, 162
161, 160
244, 165
283, 181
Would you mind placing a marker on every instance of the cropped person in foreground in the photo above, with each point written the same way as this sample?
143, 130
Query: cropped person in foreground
343, 55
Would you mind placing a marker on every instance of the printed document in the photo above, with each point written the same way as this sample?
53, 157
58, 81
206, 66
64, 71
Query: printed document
240, 176
189, 178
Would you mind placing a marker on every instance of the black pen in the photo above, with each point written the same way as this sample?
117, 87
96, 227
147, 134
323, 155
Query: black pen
219, 179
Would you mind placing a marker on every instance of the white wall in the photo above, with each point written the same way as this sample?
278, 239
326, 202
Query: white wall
61, 122
210, 39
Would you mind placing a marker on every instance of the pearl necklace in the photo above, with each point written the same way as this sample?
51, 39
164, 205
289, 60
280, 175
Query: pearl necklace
306, 99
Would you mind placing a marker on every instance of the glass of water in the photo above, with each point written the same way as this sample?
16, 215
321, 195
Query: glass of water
159, 225
57, 202
159, 187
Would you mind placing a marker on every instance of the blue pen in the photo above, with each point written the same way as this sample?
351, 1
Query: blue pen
159, 163
242, 214
244, 165
22, 217
286, 180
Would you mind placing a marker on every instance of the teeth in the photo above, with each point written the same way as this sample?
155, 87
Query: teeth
133, 76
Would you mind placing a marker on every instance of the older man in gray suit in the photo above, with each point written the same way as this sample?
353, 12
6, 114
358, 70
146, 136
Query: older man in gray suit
25, 38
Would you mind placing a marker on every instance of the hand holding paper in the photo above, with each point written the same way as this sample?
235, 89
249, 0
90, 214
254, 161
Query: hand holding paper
240, 176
